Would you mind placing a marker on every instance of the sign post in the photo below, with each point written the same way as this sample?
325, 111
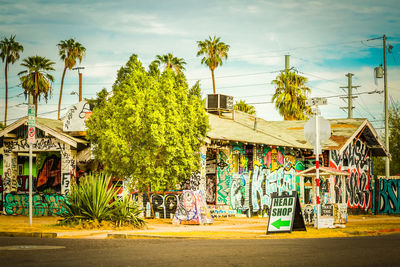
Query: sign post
31, 141
317, 135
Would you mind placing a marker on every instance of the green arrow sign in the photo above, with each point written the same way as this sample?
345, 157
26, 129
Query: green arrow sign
279, 223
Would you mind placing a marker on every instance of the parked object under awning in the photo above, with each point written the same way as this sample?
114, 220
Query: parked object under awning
323, 171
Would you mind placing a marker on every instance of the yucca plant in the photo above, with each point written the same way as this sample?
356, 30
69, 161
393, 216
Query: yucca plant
90, 200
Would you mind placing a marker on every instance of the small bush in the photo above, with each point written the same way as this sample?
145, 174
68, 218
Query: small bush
91, 203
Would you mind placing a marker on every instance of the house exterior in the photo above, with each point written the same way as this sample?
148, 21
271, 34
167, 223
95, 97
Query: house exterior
248, 160
55, 156
244, 162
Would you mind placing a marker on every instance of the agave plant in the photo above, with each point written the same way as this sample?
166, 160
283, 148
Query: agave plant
94, 200
90, 200
126, 211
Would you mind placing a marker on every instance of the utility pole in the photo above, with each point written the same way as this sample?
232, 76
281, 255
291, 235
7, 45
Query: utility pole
31, 140
387, 162
80, 81
286, 64
350, 96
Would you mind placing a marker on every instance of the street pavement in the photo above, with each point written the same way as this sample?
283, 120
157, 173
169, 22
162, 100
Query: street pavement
355, 251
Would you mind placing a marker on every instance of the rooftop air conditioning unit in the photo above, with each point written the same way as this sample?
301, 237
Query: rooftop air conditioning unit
218, 101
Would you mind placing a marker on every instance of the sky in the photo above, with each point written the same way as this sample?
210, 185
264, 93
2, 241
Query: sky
324, 39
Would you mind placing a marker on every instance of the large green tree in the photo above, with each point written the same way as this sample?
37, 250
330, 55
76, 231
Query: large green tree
9, 53
70, 51
170, 62
150, 129
243, 106
36, 79
214, 52
290, 95
394, 145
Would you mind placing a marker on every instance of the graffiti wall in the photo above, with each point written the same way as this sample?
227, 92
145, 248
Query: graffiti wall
356, 160
388, 196
248, 178
43, 205
164, 204
192, 209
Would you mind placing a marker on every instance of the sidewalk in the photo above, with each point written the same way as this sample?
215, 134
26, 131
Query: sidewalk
222, 228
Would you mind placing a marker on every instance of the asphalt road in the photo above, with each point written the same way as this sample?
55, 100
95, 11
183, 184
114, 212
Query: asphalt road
359, 251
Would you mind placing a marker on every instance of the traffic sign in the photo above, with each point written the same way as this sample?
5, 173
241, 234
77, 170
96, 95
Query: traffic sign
31, 115
316, 101
324, 131
285, 215
31, 135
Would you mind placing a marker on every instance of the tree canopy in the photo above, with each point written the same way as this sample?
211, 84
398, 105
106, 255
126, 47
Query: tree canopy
170, 62
243, 106
70, 51
9, 53
150, 129
394, 145
36, 79
290, 96
214, 51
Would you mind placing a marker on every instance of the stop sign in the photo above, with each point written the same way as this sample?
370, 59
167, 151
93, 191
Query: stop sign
324, 131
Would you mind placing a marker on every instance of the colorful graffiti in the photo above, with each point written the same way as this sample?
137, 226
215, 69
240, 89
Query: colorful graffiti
250, 188
192, 209
389, 196
223, 178
43, 205
1, 193
355, 158
49, 174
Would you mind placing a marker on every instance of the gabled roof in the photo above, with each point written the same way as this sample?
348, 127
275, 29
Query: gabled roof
50, 126
247, 128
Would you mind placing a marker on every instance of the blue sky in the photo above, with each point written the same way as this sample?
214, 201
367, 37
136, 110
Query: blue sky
325, 40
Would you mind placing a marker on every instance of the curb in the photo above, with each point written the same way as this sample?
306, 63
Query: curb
23, 234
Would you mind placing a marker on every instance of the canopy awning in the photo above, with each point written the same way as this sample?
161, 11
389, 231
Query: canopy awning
323, 171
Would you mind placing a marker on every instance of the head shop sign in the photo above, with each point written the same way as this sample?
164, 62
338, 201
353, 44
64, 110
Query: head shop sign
285, 215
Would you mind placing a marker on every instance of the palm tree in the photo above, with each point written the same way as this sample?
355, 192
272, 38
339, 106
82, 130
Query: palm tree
9, 53
69, 52
290, 96
171, 62
36, 80
242, 106
215, 51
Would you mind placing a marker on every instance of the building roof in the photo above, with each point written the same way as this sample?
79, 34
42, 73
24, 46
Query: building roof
250, 129
50, 126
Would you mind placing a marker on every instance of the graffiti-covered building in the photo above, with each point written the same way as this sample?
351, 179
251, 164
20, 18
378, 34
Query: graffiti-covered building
248, 160
55, 158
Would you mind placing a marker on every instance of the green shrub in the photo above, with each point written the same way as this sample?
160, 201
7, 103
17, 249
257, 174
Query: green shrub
93, 201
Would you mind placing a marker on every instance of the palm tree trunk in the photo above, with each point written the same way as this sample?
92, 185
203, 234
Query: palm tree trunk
35, 95
5, 112
213, 80
61, 89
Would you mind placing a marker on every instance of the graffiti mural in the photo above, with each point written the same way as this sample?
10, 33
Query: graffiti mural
10, 172
23, 183
43, 205
49, 174
192, 209
164, 204
355, 159
211, 188
1, 194
223, 178
389, 196
249, 189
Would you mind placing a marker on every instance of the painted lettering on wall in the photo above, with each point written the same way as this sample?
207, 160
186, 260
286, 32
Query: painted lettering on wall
43, 205
356, 159
389, 196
